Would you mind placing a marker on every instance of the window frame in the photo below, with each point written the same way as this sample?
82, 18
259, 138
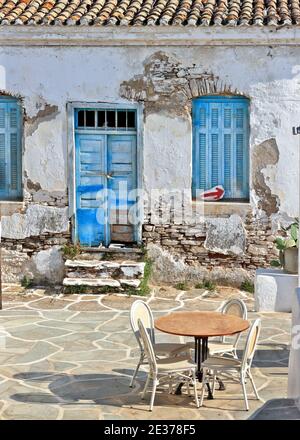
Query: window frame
220, 101
8, 194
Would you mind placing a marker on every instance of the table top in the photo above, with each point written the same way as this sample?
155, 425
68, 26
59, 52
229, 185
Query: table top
201, 324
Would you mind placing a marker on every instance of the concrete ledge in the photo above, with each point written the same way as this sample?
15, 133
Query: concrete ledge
274, 290
223, 208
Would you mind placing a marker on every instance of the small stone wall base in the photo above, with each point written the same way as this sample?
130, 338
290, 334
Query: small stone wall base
170, 269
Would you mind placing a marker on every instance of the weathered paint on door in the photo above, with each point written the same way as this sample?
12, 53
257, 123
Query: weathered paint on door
91, 163
104, 162
121, 167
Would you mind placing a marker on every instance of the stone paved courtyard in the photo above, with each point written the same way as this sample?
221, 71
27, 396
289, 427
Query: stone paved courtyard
72, 356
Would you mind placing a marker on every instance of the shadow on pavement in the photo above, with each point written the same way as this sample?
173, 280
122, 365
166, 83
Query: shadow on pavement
277, 409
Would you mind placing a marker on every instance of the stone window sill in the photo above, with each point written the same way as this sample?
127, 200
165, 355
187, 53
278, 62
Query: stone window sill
10, 207
225, 208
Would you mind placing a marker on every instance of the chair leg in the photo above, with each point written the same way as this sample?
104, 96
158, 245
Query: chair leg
213, 384
146, 387
136, 370
155, 383
195, 388
245, 392
205, 371
253, 386
188, 387
170, 385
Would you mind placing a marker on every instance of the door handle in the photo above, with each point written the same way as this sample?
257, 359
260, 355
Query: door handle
109, 176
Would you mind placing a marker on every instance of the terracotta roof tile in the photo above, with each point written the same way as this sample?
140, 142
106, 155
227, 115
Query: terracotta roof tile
150, 12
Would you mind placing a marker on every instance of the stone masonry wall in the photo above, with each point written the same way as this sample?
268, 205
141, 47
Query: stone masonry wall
192, 246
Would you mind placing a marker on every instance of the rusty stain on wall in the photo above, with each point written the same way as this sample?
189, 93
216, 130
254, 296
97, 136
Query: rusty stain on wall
264, 154
167, 86
45, 114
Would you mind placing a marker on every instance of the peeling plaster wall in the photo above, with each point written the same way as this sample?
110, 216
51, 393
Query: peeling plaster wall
164, 79
48, 78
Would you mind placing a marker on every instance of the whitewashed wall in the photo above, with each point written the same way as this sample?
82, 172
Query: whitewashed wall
55, 76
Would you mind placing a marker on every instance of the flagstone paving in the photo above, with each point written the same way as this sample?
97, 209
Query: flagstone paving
72, 357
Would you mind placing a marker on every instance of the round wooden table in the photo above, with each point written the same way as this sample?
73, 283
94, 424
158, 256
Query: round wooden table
201, 326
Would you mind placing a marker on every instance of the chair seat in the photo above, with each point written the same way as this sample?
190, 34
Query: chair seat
169, 347
219, 347
175, 364
221, 363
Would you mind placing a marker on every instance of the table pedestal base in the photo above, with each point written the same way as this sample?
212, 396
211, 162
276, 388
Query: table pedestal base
201, 354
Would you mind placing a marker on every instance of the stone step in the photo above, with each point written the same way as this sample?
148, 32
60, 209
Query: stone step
92, 264
126, 269
92, 282
114, 249
101, 282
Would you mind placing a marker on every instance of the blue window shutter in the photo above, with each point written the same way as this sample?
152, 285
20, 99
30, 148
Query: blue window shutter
220, 146
3, 182
10, 149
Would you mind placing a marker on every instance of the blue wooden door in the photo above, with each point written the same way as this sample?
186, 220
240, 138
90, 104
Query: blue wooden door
105, 175
91, 165
122, 181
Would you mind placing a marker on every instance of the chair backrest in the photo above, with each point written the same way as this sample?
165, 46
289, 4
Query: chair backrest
235, 307
140, 310
251, 343
148, 348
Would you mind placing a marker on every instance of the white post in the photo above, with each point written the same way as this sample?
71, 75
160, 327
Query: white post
299, 213
294, 360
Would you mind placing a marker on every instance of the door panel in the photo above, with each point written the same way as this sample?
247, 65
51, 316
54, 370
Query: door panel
122, 169
104, 161
91, 167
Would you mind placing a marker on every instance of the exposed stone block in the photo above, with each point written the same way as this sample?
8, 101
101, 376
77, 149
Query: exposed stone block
226, 236
37, 220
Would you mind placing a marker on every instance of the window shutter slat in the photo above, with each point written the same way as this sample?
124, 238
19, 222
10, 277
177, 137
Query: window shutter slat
214, 118
227, 164
202, 161
14, 161
239, 118
214, 160
227, 117
2, 117
2, 162
202, 117
239, 161
13, 118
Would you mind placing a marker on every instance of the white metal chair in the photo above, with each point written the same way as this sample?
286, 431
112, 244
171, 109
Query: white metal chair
234, 368
141, 310
183, 369
228, 345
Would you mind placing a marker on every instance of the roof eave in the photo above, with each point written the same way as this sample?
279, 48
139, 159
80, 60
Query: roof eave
84, 35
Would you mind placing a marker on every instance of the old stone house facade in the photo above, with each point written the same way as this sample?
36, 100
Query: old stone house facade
168, 96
